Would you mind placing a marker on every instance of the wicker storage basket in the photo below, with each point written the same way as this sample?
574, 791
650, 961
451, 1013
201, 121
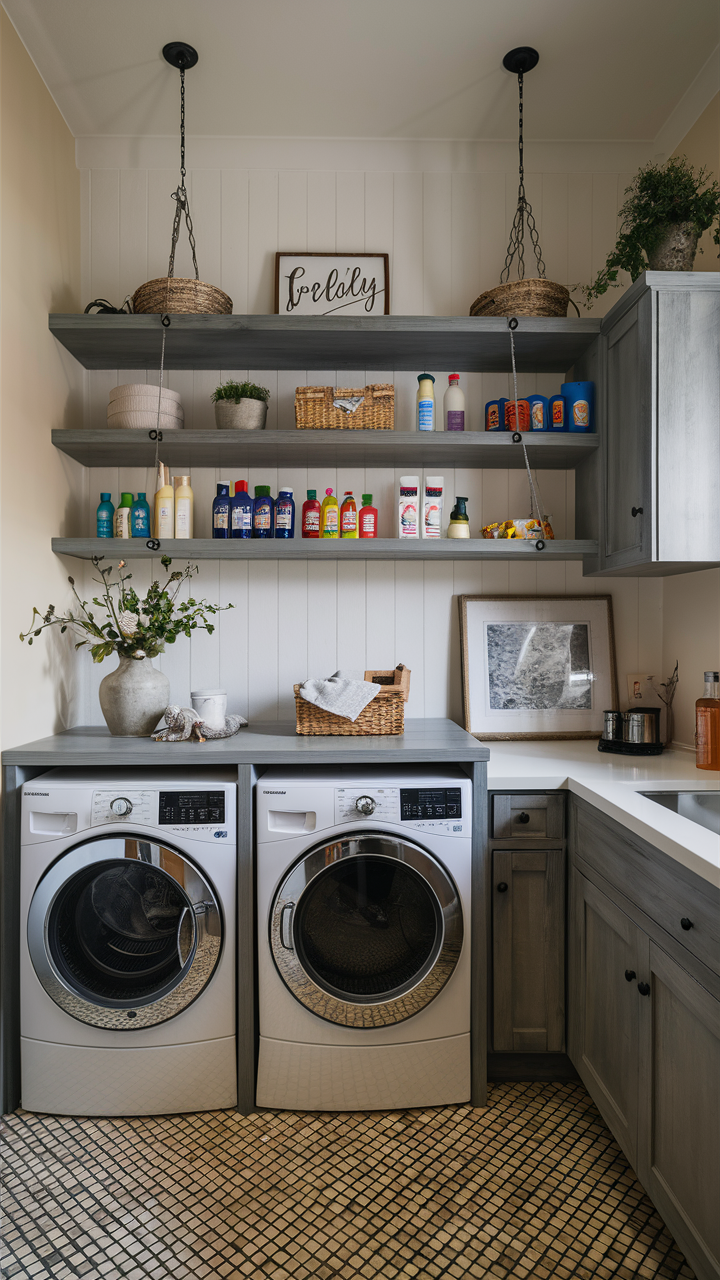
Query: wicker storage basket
384, 715
399, 678
177, 295
533, 297
314, 408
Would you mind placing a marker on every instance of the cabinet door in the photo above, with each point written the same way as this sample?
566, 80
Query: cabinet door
529, 950
605, 954
679, 1145
628, 444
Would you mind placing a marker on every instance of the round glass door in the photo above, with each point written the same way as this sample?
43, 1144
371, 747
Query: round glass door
365, 932
124, 933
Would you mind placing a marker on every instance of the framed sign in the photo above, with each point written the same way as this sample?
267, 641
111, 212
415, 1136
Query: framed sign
325, 284
537, 666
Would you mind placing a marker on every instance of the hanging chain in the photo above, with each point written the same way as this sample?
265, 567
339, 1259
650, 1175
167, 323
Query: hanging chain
181, 196
523, 213
534, 487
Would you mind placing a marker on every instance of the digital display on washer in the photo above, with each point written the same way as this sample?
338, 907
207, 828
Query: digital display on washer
191, 807
418, 803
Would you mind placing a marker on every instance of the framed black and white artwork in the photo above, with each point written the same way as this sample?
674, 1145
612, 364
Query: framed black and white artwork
327, 284
537, 666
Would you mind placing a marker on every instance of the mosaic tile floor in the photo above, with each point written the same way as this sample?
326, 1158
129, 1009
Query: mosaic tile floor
534, 1186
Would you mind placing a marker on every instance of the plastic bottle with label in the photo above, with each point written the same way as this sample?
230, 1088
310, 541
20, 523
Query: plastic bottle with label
184, 508
105, 526
263, 513
164, 522
433, 507
285, 514
426, 402
311, 515
329, 516
140, 517
459, 526
707, 724
241, 511
408, 507
221, 511
454, 405
368, 518
348, 516
122, 516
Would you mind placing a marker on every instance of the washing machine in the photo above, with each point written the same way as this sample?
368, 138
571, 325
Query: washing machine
363, 887
127, 961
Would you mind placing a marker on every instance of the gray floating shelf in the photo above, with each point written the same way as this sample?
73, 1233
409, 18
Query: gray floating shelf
466, 343
429, 449
322, 549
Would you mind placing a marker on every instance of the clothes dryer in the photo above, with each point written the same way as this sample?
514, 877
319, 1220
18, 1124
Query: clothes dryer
363, 883
127, 958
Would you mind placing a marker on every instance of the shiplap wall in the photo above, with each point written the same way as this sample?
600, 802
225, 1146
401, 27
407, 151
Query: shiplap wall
443, 214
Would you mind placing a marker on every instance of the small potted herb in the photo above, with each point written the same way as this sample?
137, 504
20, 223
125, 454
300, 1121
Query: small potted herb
240, 405
667, 209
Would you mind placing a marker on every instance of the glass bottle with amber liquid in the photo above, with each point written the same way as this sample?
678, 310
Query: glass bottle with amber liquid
707, 724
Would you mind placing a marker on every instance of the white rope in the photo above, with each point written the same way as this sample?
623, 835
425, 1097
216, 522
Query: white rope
533, 491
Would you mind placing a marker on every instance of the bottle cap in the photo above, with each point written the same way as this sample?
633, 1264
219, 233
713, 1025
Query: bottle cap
453, 377
348, 493
104, 497
312, 494
434, 482
367, 499
286, 489
241, 486
141, 494
713, 676
328, 493
223, 489
124, 500
262, 490
181, 480
423, 376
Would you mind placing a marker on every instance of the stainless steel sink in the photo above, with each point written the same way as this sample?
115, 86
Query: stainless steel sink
702, 807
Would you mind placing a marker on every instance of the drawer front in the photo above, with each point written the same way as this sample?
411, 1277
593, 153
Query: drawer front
667, 892
533, 817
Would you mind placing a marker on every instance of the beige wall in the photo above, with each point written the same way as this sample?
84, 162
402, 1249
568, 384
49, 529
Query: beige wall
41, 388
701, 145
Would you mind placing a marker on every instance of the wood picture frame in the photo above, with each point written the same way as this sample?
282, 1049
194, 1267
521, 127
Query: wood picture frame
316, 293
544, 662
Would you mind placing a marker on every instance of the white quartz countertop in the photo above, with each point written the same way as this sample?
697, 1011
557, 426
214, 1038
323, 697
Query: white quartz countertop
613, 784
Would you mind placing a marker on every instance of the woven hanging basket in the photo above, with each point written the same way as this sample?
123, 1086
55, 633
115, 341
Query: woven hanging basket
533, 297
178, 295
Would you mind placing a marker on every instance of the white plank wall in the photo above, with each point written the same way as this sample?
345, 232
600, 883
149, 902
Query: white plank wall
445, 230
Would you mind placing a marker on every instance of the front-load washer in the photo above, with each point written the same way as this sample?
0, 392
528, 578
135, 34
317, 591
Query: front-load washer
127, 960
363, 884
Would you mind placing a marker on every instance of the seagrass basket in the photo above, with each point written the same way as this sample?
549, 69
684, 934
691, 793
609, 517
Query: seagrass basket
180, 295
314, 408
384, 715
532, 297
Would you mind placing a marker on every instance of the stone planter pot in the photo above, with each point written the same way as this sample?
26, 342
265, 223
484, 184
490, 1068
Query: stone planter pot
133, 698
243, 415
677, 248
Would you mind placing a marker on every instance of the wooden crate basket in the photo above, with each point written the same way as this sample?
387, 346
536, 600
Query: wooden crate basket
398, 678
384, 715
314, 408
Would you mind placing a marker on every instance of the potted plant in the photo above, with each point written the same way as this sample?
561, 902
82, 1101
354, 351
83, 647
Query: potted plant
240, 405
135, 695
667, 209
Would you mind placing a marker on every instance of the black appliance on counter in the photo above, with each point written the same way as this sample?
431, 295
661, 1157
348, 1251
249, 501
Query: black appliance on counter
632, 733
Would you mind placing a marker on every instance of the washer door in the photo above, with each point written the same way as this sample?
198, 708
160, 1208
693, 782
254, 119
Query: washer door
124, 933
366, 931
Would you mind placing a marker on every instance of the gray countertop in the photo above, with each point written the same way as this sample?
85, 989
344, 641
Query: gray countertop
424, 741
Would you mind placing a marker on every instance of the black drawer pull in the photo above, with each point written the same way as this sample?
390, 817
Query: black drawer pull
502, 887
523, 817
637, 511
686, 924
630, 974
643, 988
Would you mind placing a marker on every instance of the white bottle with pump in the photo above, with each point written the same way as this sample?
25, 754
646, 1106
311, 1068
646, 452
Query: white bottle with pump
432, 507
409, 507
454, 405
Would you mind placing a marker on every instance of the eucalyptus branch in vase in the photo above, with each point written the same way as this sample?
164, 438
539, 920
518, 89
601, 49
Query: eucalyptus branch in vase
665, 691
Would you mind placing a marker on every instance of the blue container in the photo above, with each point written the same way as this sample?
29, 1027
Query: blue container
263, 513
221, 512
580, 400
105, 517
495, 415
538, 412
285, 514
241, 511
140, 518
557, 414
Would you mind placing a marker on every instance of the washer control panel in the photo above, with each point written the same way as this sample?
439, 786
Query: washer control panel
191, 808
436, 809
114, 806
416, 803
352, 804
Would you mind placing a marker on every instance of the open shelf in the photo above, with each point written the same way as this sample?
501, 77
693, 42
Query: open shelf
476, 344
322, 549
415, 449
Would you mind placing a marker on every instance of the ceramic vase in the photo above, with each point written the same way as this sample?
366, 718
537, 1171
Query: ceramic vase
243, 415
133, 698
677, 248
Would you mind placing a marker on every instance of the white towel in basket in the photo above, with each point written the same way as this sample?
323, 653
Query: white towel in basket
344, 694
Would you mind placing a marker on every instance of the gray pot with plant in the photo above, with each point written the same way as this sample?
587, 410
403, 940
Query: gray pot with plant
668, 207
240, 406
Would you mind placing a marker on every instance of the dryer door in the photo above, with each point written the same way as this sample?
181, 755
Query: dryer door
367, 930
124, 933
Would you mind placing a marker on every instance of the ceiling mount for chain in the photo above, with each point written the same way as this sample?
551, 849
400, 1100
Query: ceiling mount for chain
182, 56
519, 61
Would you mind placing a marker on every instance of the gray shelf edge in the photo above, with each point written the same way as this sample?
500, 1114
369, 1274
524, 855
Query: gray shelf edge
262, 550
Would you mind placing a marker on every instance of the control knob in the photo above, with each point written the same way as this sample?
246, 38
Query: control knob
121, 806
365, 805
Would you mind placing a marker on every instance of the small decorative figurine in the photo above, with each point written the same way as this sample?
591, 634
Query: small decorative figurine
184, 724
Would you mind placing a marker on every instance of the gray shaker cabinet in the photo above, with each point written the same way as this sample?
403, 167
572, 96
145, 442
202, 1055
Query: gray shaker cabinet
528, 923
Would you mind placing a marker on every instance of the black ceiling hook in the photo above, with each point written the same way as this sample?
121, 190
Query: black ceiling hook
180, 55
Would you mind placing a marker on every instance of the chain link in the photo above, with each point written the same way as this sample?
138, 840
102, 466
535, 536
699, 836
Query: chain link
523, 213
180, 196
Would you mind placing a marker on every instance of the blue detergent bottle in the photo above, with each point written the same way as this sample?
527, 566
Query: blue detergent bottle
140, 517
221, 512
241, 511
285, 514
263, 512
105, 517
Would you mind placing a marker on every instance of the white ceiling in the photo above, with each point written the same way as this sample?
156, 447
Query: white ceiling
609, 69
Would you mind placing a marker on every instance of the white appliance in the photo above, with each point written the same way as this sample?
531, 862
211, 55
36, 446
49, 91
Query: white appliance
127, 960
363, 883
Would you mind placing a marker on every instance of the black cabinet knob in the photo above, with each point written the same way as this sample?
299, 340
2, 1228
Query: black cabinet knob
502, 887
643, 988
630, 974
637, 511
523, 817
686, 924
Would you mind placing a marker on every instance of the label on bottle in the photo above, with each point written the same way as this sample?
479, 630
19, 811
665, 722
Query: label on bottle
523, 415
183, 509
122, 522
104, 526
558, 413
492, 416
283, 515
311, 522
581, 413
538, 415
330, 523
707, 737
408, 518
220, 518
432, 518
261, 518
426, 415
139, 523
456, 420
241, 518
348, 520
367, 523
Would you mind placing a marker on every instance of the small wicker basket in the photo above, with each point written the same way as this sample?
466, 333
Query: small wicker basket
532, 297
178, 295
314, 408
384, 715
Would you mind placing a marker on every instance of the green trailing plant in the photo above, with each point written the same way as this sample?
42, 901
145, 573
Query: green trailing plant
129, 625
659, 196
237, 391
